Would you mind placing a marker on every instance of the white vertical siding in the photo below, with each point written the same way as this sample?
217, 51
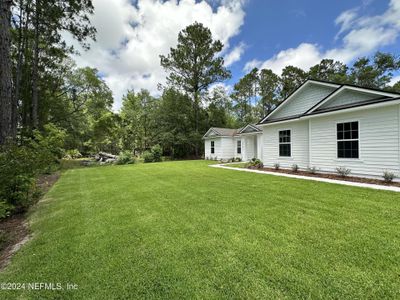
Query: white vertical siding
226, 150
378, 142
303, 100
299, 144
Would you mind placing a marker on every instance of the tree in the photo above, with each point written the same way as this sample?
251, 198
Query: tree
175, 131
138, 120
291, 79
39, 51
375, 73
194, 65
329, 70
269, 89
219, 109
6, 128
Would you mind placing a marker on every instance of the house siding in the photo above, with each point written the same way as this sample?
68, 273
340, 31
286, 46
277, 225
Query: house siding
378, 142
299, 145
303, 101
224, 148
349, 97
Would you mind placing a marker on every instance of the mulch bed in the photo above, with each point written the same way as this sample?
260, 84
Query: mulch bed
15, 229
332, 176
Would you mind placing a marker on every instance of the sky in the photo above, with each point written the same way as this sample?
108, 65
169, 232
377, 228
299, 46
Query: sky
256, 33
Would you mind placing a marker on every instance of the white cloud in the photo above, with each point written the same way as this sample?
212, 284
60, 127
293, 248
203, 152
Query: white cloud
234, 55
131, 37
361, 36
394, 80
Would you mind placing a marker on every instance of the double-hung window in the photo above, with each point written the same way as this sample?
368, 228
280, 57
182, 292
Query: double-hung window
239, 147
285, 146
347, 140
212, 147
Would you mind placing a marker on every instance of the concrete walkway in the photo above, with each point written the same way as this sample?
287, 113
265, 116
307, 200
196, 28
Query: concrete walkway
358, 184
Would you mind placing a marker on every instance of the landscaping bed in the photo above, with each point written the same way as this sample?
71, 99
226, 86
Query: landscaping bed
324, 175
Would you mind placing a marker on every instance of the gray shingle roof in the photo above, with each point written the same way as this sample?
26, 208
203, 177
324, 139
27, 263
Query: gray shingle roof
225, 131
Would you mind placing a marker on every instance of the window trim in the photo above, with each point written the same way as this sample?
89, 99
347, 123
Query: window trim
290, 143
359, 140
212, 147
237, 147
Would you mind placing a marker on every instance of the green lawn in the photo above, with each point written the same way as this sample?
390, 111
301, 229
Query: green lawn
185, 230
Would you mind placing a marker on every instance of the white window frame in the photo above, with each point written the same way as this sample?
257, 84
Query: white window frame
212, 147
348, 140
285, 143
237, 147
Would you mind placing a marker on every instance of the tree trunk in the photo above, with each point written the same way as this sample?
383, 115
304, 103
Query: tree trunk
35, 71
196, 112
23, 26
5, 72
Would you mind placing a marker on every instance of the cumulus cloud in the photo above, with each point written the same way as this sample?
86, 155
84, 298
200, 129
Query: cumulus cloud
360, 36
132, 36
234, 55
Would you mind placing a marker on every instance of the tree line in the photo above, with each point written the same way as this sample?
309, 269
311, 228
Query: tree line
40, 85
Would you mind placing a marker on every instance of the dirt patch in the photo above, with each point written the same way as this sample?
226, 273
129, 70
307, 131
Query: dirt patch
332, 176
14, 231
45, 182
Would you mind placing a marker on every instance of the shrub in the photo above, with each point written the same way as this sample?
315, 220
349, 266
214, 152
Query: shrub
277, 166
256, 163
147, 156
20, 165
125, 158
238, 159
72, 154
295, 168
5, 209
388, 177
312, 170
343, 172
157, 153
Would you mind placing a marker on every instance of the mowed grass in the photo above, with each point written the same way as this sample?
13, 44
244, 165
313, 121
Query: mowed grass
184, 230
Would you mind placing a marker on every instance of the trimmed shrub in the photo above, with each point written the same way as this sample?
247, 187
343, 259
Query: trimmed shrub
295, 168
255, 163
343, 172
157, 153
147, 156
388, 177
125, 157
277, 166
238, 159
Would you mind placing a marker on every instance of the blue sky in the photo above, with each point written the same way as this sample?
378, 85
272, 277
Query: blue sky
256, 33
273, 26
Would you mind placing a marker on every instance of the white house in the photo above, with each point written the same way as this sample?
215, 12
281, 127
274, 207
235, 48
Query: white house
226, 143
328, 125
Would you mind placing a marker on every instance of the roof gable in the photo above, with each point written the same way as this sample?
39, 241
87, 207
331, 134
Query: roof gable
249, 128
348, 95
302, 99
220, 132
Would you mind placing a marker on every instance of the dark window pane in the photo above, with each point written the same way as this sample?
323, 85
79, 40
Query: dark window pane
340, 127
284, 150
347, 135
347, 126
340, 135
354, 126
354, 134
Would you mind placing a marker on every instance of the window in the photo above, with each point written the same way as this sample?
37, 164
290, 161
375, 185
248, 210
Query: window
212, 147
239, 147
285, 147
347, 140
